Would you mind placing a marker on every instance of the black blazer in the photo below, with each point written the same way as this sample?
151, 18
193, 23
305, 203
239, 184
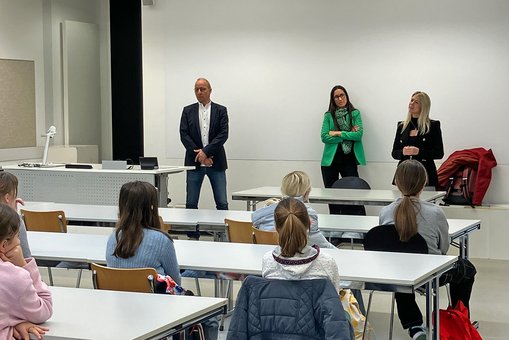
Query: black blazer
430, 147
218, 134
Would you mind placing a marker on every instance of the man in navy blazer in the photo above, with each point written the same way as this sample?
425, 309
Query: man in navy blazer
203, 131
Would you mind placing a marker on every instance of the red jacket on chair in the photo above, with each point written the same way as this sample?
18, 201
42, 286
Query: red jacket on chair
478, 158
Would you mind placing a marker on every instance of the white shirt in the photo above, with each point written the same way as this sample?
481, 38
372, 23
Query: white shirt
204, 117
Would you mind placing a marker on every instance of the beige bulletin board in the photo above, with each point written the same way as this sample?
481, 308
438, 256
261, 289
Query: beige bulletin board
17, 104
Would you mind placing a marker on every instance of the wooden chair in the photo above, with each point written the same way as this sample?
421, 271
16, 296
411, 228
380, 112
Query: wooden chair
238, 231
164, 227
49, 221
264, 237
140, 280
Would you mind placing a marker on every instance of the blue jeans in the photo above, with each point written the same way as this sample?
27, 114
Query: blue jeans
194, 182
217, 179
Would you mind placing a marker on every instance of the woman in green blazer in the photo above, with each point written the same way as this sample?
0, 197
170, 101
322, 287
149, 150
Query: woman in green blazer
342, 138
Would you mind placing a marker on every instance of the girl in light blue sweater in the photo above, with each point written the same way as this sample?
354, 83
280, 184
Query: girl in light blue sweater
138, 241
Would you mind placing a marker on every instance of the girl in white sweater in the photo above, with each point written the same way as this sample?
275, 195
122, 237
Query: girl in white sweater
294, 259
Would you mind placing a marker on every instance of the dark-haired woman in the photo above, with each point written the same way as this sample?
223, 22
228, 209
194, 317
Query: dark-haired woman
138, 241
342, 138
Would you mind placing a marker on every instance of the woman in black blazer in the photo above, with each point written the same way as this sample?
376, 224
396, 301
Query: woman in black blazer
419, 138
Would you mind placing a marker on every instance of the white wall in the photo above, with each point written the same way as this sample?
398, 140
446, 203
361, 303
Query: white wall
21, 37
272, 63
91, 11
30, 29
274, 67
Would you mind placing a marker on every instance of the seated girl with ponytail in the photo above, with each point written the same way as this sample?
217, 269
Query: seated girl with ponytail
294, 259
411, 215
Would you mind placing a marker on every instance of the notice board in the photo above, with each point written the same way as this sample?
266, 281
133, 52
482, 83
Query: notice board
17, 103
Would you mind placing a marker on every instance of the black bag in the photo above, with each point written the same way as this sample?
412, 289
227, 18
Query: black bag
460, 188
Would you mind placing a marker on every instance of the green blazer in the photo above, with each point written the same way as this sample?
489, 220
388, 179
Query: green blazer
331, 143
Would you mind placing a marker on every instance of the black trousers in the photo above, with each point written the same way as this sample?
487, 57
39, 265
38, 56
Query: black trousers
330, 174
344, 165
460, 280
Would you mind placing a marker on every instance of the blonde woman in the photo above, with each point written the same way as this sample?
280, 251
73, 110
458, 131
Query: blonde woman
296, 184
420, 138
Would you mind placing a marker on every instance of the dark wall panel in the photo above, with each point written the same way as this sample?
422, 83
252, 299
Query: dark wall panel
126, 79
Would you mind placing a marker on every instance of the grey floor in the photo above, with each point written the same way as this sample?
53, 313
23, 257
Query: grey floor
488, 304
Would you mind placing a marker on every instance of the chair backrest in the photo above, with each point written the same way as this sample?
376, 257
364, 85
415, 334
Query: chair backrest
166, 227
238, 231
129, 280
264, 237
52, 221
386, 238
349, 183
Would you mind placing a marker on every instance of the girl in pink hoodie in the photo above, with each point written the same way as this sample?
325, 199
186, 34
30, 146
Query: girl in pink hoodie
24, 299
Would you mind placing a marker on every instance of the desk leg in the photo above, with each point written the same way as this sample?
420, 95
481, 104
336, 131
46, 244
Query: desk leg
161, 183
429, 309
466, 245
463, 246
436, 308
217, 236
217, 288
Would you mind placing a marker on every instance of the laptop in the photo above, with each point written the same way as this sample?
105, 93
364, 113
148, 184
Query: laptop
148, 163
114, 165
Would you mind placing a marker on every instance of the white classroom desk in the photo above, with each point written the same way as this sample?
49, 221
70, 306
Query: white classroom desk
103, 314
333, 196
213, 220
87, 186
400, 272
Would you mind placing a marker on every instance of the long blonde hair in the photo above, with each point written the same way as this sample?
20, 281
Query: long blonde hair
292, 224
423, 122
410, 178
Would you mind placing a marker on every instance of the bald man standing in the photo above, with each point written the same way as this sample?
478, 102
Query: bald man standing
203, 131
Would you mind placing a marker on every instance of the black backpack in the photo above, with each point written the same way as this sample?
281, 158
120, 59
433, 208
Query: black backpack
460, 187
